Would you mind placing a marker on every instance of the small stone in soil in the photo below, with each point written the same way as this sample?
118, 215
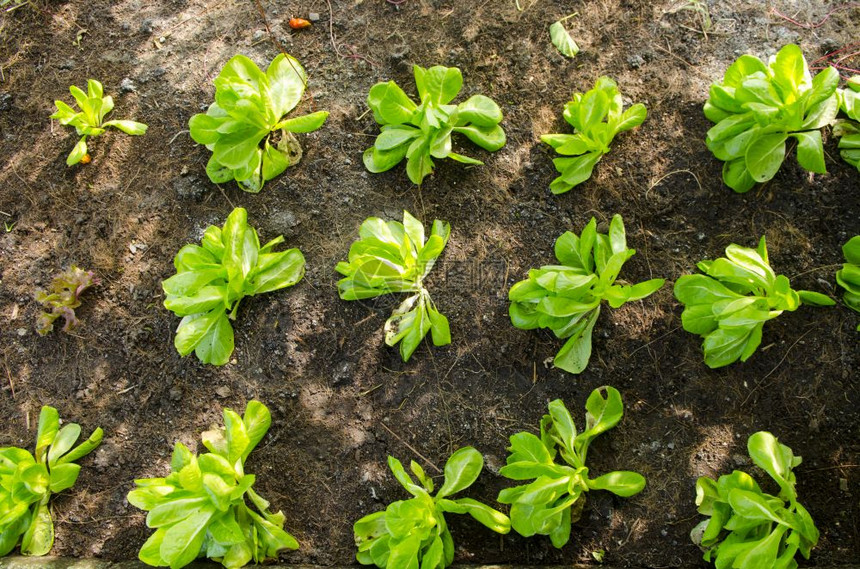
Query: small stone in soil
147, 26
175, 393
5, 102
314, 17
127, 86
223, 391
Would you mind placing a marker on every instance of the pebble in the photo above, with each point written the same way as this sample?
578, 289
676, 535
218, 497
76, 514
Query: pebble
258, 35
127, 86
147, 26
22, 331
635, 61
314, 17
175, 393
223, 391
5, 102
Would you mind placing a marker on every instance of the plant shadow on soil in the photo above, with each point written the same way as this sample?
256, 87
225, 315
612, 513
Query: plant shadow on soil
341, 400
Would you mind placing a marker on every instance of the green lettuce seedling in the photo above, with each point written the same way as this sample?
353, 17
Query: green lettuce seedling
27, 482
244, 128
422, 132
413, 533
202, 508
730, 303
758, 107
848, 131
566, 298
749, 528
212, 279
554, 498
62, 299
94, 106
596, 117
849, 276
393, 257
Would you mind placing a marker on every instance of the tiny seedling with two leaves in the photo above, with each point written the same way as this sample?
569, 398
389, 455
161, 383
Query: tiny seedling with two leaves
554, 498
730, 303
89, 120
747, 527
200, 508
849, 276
423, 132
27, 482
212, 279
393, 257
758, 107
596, 116
566, 298
413, 533
244, 128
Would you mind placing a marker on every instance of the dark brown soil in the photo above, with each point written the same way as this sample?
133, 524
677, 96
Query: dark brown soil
341, 400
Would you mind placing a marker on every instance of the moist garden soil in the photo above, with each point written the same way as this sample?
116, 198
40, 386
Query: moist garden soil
341, 400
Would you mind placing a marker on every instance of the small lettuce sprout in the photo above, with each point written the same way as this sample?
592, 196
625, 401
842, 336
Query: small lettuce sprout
566, 298
244, 128
596, 117
849, 276
729, 304
202, 508
758, 107
212, 279
94, 106
27, 482
751, 529
393, 257
62, 299
413, 533
422, 132
848, 130
555, 495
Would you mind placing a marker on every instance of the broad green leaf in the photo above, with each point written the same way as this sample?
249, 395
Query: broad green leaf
810, 151
438, 84
286, 84
562, 41
765, 155
78, 152
182, 542
480, 110
306, 123
461, 471
621, 483
576, 352
39, 537
390, 105
128, 127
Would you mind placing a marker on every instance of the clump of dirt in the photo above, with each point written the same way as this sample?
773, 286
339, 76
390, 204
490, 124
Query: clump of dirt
341, 400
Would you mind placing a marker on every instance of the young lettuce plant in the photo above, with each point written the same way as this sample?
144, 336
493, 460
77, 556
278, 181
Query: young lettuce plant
566, 298
422, 132
848, 130
212, 279
200, 509
554, 498
413, 533
392, 257
596, 118
27, 482
62, 299
244, 128
730, 303
849, 276
748, 528
94, 106
758, 107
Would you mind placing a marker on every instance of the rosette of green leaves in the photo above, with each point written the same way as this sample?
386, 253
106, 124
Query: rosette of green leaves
848, 131
393, 257
212, 278
422, 132
729, 304
748, 528
413, 533
596, 116
554, 498
758, 107
244, 128
207, 506
849, 276
63, 298
27, 482
94, 106
566, 298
